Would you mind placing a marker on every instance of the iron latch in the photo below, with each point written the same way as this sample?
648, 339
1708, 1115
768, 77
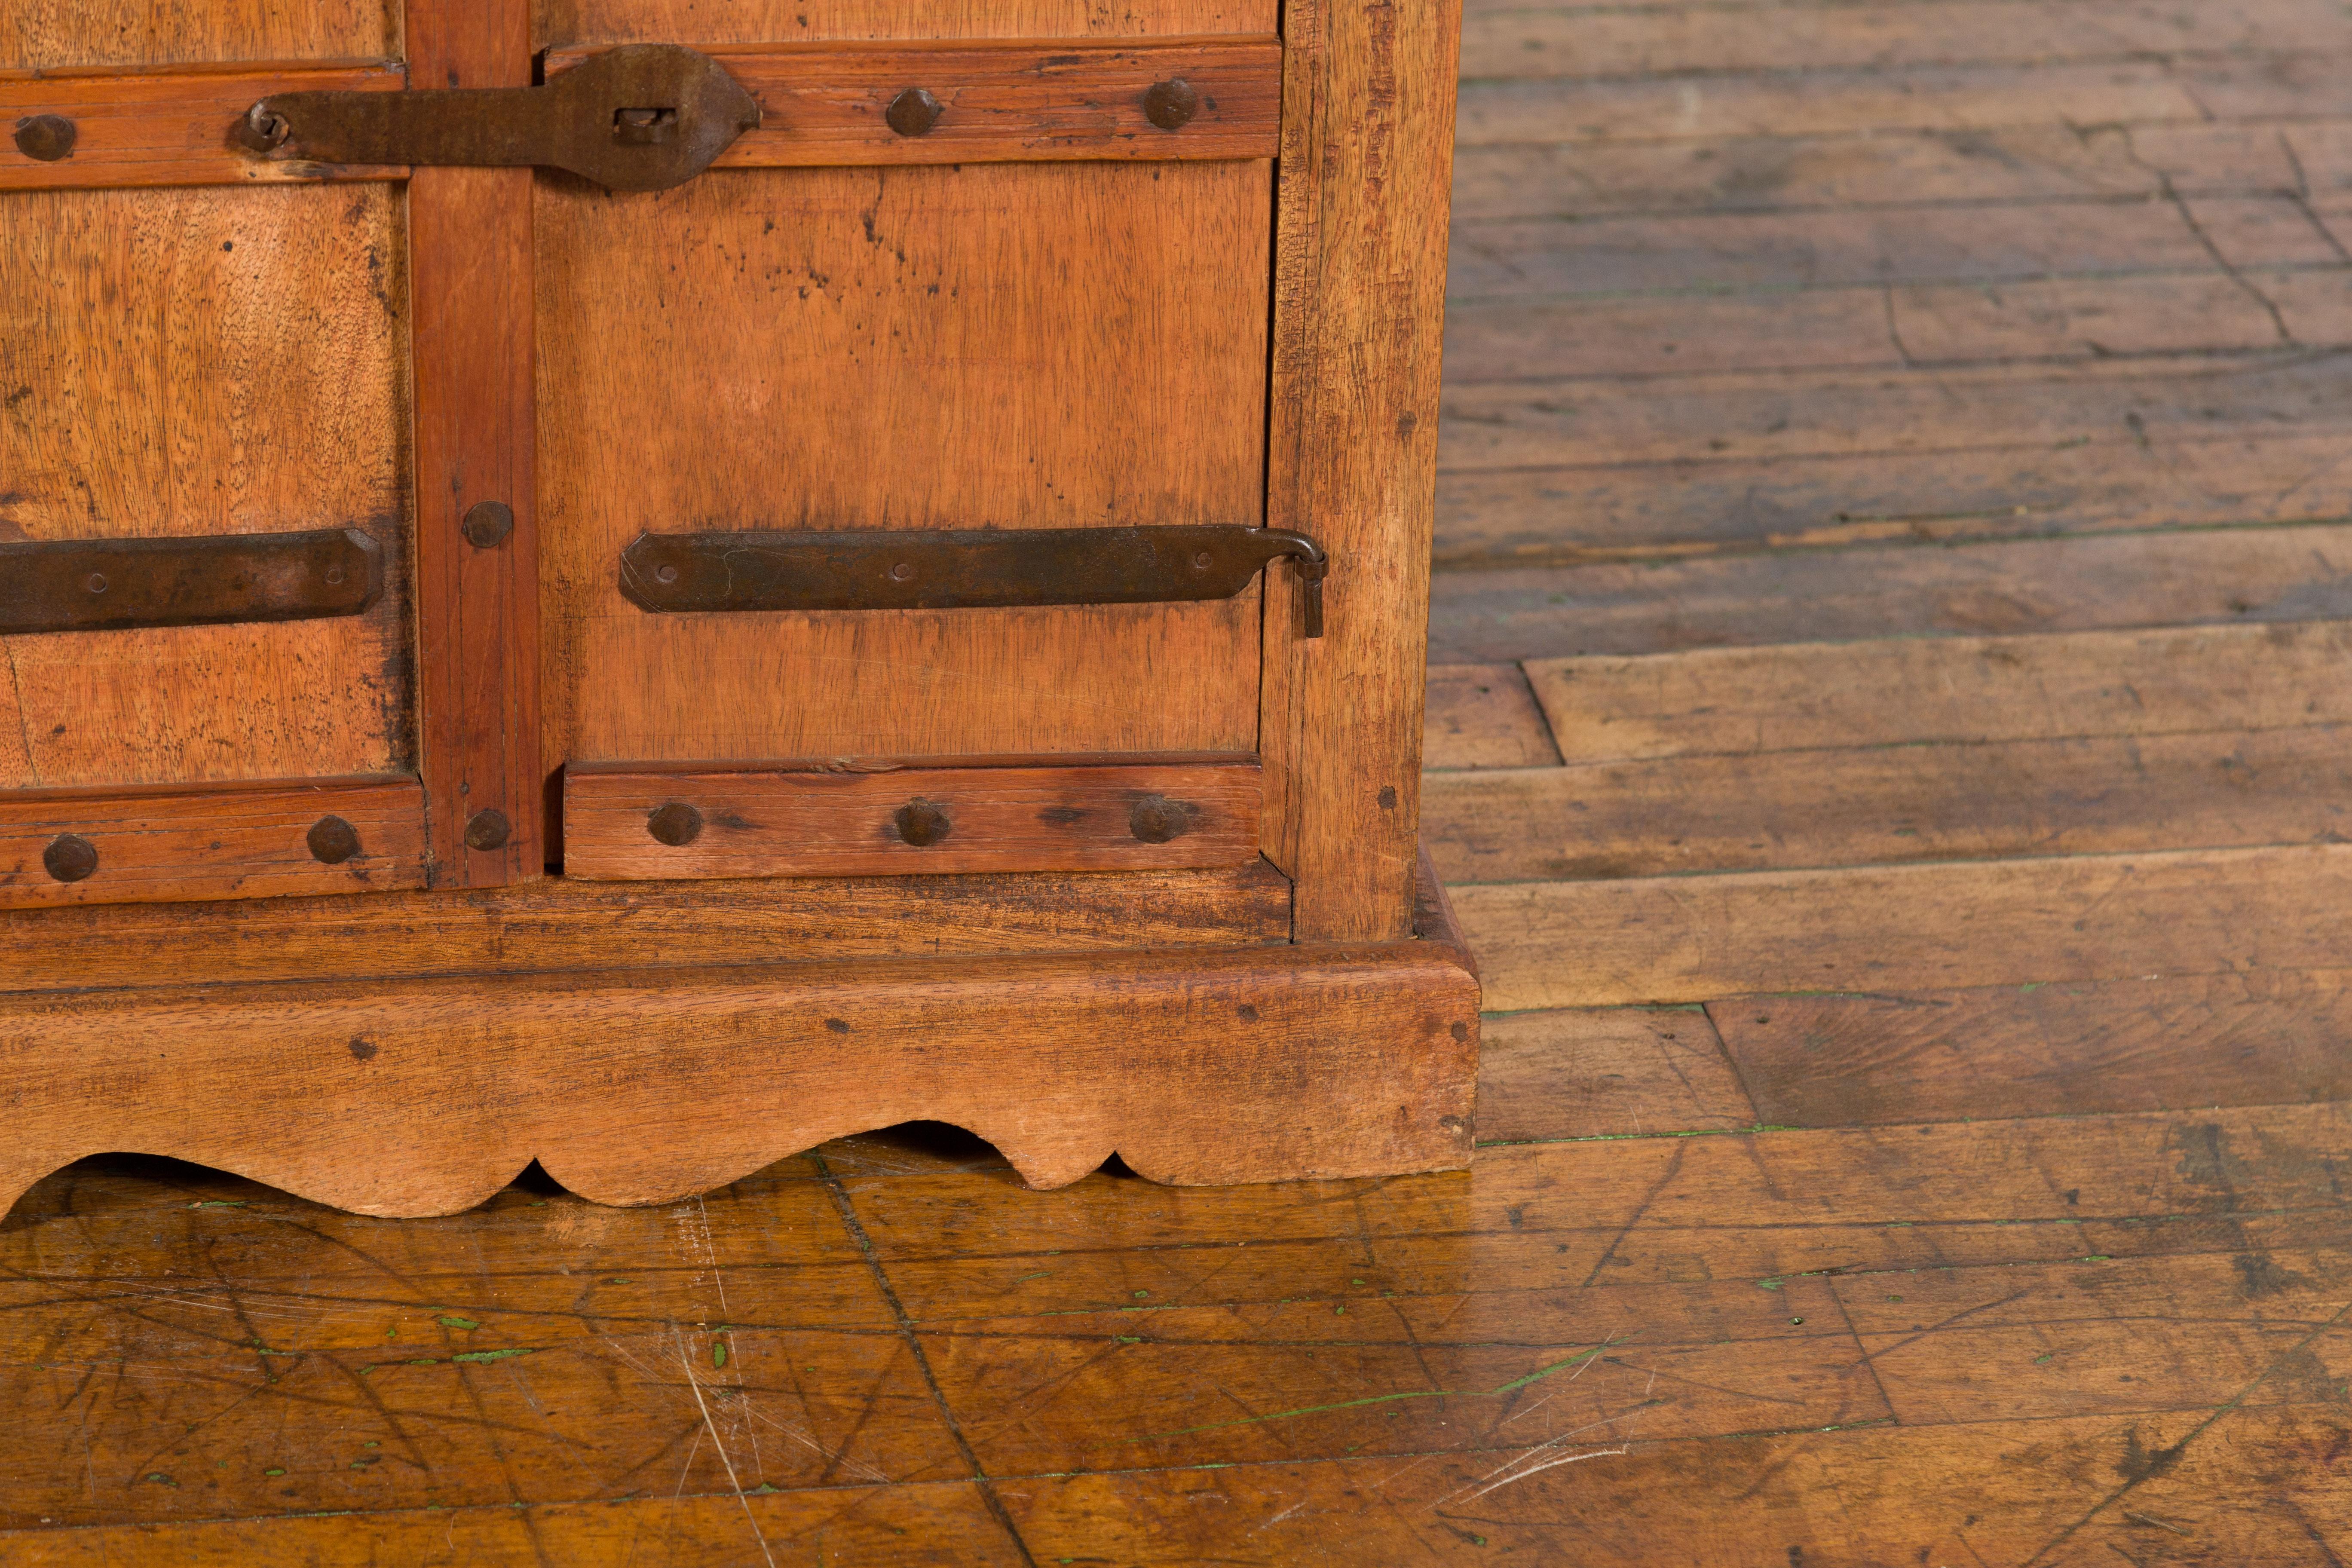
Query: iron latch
643, 117
115, 585
890, 568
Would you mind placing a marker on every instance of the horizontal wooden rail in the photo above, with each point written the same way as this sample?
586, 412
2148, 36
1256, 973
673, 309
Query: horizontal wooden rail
624, 821
163, 127
1020, 101
176, 843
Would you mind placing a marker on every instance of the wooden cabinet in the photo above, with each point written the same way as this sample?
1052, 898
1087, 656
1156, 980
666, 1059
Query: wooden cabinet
639, 584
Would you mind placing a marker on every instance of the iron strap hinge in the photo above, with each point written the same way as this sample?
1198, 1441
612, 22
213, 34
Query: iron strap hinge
966, 569
643, 117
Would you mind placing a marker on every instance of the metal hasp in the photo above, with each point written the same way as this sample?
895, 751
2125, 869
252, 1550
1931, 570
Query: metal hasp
974, 569
643, 117
115, 585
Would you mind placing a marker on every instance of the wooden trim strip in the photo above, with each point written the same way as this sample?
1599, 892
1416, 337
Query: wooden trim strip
170, 128
173, 844
1358, 322
470, 236
709, 821
1019, 100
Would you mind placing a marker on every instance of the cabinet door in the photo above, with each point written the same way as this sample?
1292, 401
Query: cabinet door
205, 581
1046, 311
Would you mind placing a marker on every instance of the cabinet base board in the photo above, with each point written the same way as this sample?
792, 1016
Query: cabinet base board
427, 1095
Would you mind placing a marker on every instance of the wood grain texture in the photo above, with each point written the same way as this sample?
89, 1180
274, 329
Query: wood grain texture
1902, 928
559, 924
1561, 419
2250, 1491
2259, 1037
2139, 580
170, 128
566, 22
1894, 691
856, 821
471, 253
2015, 489
1558, 41
236, 841
888, 1525
1360, 221
1025, 101
1483, 716
60, 35
1930, 97
427, 1097
992, 346
199, 363
1893, 803
1606, 1072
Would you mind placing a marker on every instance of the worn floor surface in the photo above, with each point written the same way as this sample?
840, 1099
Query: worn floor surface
1888, 738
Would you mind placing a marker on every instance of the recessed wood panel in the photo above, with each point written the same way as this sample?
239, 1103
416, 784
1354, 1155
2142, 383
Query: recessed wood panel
205, 362
804, 820
698, 22
238, 841
52, 34
990, 346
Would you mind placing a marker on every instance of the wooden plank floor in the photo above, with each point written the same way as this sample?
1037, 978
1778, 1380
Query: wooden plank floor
1894, 558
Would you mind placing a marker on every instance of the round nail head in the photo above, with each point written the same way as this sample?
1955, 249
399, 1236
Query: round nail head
676, 824
486, 524
47, 137
913, 113
1156, 820
1170, 104
488, 829
920, 822
332, 841
70, 857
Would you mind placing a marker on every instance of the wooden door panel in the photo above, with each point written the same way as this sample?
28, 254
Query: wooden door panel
1003, 345
700, 22
205, 362
48, 33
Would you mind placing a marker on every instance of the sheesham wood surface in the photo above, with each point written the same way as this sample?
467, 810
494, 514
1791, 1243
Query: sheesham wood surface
2152, 578
1025, 101
990, 346
425, 1096
169, 128
194, 362
564, 925
849, 820
2069, 1252
1813, 697
562, 22
55, 35
1933, 750
235, 841
472, 345
1361, 223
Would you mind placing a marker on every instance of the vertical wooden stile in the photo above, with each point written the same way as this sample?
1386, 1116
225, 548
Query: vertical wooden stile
477, 600
1364, 200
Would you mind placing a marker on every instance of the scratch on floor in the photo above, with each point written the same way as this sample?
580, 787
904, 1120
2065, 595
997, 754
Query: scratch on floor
1520, 1468
686, 1361
1578, 1361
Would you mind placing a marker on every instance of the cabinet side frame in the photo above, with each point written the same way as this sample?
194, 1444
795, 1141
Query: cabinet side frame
1363, 198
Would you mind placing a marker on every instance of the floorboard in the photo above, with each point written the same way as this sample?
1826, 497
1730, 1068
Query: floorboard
1886, 734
